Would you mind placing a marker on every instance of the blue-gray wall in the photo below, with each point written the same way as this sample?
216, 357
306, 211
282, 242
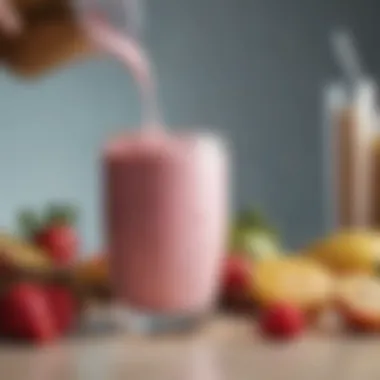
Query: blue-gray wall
253, 68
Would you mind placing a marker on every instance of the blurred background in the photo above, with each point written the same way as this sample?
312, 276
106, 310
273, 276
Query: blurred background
255, 70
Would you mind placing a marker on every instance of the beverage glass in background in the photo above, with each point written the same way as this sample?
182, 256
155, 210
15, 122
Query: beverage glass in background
376, 176
166, 214
348, 139
349, 133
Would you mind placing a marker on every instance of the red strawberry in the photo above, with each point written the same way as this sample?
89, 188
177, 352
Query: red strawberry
60, 242
282, 321
5, 267
236, 285
63, 306
27, 315
236, 277
58, 237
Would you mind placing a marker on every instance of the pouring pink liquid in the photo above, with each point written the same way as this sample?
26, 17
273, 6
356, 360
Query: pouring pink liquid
166, 206
130, 52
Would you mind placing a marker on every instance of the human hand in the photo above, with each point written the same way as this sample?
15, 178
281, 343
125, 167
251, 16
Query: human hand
10, 20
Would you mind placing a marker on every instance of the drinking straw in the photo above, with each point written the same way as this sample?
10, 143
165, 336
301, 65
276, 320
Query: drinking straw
347, 56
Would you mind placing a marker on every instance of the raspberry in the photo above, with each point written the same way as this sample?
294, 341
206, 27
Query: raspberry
282, 321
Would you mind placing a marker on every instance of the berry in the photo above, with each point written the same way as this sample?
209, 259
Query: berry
57, 236
236, 276
26, 314
282, 321
60, 242
63, 306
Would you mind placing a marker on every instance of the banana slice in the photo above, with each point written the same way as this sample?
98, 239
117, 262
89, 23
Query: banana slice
18, 254
298, 281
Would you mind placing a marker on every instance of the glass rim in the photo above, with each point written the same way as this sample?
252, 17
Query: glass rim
197, 133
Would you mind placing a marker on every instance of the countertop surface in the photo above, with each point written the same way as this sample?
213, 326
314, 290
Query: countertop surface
224, 349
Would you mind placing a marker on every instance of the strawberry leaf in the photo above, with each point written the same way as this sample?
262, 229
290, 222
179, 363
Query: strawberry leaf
28, 223
254, 219
60, 214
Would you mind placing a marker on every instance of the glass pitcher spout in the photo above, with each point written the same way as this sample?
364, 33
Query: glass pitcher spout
126, 16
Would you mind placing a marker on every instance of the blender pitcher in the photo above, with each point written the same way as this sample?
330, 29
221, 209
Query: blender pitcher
41, 35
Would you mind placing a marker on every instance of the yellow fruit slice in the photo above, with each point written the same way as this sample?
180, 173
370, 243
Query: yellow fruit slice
17, 254
349, 252
360, 292
358, 300
298, 281
93, 272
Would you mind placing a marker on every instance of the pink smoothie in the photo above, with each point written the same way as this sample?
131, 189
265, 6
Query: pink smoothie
166, 200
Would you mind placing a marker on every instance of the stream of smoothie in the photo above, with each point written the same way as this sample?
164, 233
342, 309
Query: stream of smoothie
130, 52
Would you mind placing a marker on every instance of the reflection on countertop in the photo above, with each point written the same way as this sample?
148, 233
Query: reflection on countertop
225, 349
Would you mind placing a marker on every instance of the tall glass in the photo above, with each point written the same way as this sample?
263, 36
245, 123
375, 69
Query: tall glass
348, 156
166, 213
376, 176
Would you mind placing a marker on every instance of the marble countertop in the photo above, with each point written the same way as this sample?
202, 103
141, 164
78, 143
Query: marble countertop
225, 349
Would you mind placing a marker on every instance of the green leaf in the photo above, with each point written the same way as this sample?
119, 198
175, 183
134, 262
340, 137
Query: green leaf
60, 214
28, 223
254, 242
251, 218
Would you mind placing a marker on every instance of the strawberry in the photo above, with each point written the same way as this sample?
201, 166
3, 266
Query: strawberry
282, 321
63, 306
26, 314
60, 243
236, 285
236, 277
58, 237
